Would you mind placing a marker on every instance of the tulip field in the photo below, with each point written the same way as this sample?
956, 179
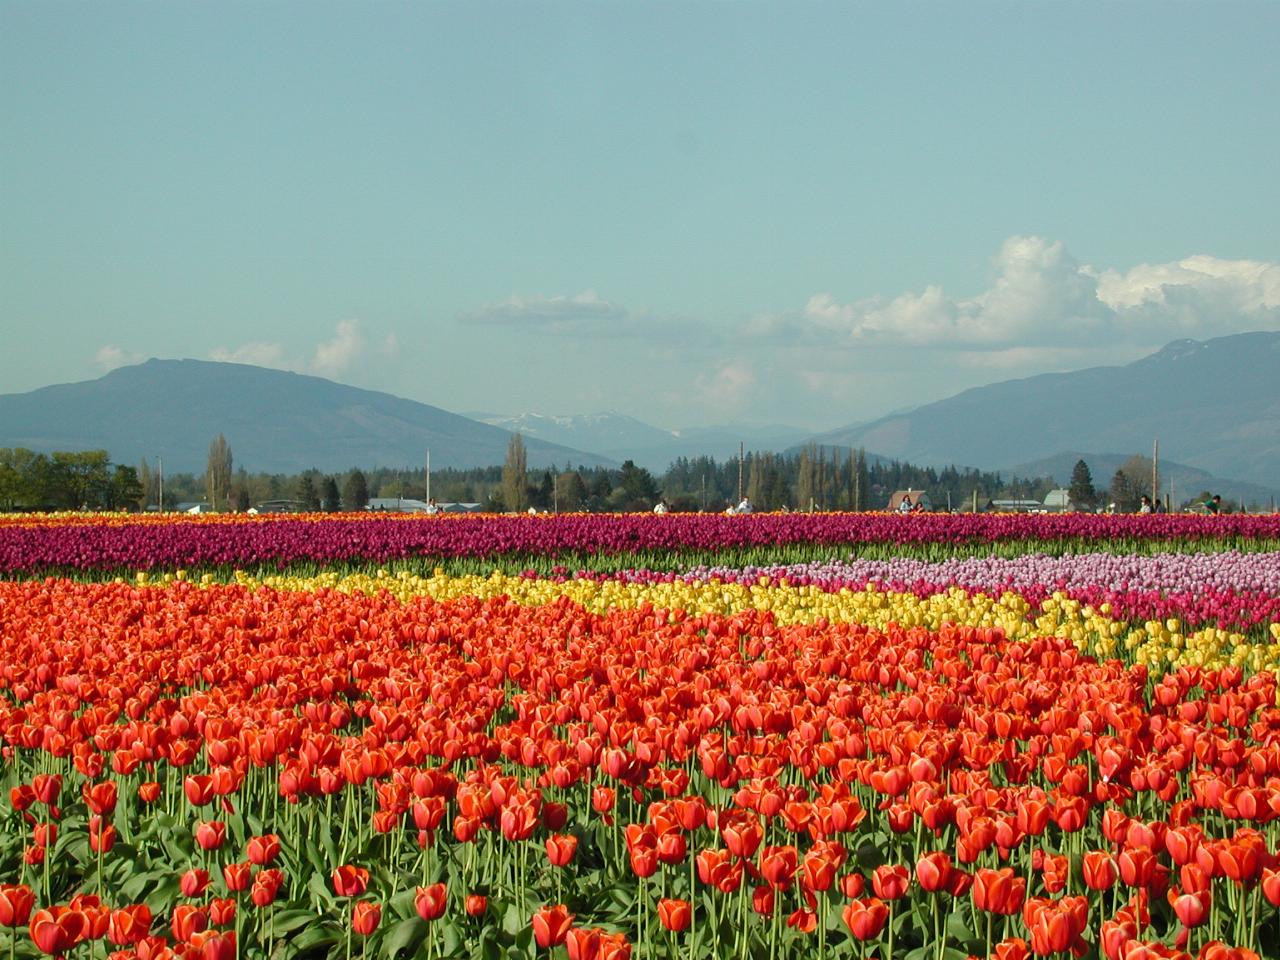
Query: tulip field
670, 737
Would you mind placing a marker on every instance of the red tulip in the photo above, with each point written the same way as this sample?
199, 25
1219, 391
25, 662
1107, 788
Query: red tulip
16, 902
430, 902
778, 865
999, 891
262, 851
1192, 908
211, 834
217, 946
742, 836
475, 904
866, 918
21, 797
199, 790
101, 838
1014, 948
149, 792
222, 911
933, 871
675, 915
100, 798
266, 885
47, 786
237, 876
350, 881
1099, 870
188, 920
583, 943
58, 929
1270, 886
365, 916
194, 882
561, 848
890, 882
129, 925
550, 925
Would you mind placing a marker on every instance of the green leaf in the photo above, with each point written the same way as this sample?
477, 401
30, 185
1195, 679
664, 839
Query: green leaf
320, 892
512, 921
289, 920
161, 892
406, 935
958, 927
524, 940
450, 937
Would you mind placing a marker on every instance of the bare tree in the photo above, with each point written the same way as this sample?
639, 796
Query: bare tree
217, 474
514, 492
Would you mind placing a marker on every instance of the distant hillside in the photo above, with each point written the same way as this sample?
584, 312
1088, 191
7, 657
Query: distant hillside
621, 437
274, 421
1214, 405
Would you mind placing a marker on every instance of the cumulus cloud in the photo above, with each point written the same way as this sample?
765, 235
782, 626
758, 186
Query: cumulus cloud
109, 357
1042, 297
727, 388
330, 357
257, 353
336, 355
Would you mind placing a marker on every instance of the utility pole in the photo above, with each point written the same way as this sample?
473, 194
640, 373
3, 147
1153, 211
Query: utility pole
1155, 470
428, 475
741, 455
160, 469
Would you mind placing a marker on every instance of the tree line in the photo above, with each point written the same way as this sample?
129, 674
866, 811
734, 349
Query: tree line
812, 478
817, 478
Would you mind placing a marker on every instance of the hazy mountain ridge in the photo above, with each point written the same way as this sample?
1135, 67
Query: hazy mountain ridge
622, 437
1213, 405
275, 421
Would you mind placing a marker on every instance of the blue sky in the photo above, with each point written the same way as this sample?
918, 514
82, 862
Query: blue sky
692, 213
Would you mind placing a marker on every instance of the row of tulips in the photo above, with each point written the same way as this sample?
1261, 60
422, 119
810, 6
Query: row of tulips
255, 770
68, 544
1158, 630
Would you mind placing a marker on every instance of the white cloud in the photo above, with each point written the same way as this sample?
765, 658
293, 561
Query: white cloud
560, 314
1042, 297
109, 357
330, 357
727, 388
336, 355
257, 353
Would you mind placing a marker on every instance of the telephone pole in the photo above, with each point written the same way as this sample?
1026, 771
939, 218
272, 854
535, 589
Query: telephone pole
741, 455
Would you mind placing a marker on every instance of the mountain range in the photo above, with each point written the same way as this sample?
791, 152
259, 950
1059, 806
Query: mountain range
274, 421
1213, 405
620, 437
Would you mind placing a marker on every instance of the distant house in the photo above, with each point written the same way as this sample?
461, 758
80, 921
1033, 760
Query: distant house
1015, 506
917, 497
1058, 501
461, 507
191, 506
281, 506
398, 505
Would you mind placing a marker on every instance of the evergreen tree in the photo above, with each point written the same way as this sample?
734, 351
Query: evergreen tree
355, 491
307, 493
1081, 490
331, 500
640, 492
